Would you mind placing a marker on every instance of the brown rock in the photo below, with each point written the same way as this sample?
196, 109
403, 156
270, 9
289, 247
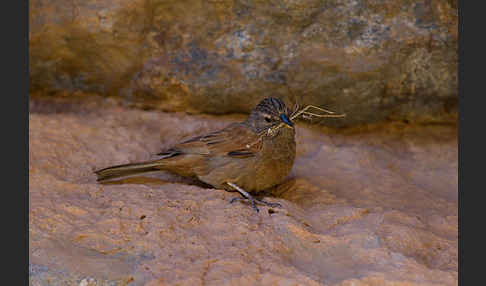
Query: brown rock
362, 207
371, 59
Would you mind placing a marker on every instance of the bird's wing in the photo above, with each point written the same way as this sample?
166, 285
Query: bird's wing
236, 140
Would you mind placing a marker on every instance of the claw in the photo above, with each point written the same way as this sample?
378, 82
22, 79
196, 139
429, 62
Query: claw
272, 205
245, 194
252, 202
251, 199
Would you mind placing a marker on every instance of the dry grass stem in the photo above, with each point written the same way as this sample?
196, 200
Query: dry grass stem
308, 115
305, 114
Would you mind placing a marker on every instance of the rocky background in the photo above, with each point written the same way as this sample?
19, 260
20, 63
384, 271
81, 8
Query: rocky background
374, 60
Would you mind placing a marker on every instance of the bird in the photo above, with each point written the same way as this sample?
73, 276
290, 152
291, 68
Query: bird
247, 157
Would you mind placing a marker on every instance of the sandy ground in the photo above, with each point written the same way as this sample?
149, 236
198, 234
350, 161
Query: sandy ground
371, 206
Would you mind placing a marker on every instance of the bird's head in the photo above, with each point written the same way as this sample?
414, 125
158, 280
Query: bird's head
270, 112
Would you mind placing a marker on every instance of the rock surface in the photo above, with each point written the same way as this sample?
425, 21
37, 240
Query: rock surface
372, 59
369, 206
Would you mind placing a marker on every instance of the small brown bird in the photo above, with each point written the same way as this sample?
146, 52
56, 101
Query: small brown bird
248, 156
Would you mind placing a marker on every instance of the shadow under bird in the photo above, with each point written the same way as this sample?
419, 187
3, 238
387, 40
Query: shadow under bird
247, 157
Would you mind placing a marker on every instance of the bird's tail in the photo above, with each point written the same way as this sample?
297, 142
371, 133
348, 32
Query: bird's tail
127, 169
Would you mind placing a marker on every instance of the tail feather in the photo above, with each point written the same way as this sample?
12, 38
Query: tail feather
127, 169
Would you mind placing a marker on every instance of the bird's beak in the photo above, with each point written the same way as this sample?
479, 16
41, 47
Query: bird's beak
285, 119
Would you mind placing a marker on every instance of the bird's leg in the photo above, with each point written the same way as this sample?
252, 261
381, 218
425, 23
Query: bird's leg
245, 194
250, 198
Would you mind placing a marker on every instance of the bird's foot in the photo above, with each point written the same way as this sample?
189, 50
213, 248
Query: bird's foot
251, 199
257, 201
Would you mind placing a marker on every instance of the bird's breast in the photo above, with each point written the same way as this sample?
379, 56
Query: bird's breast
276, 159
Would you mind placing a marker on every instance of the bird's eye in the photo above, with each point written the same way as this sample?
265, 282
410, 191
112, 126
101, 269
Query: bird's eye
267, 119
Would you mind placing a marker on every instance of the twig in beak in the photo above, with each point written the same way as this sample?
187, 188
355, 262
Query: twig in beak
306, 113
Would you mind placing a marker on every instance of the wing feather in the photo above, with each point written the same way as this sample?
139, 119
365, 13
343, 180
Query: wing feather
236, 140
